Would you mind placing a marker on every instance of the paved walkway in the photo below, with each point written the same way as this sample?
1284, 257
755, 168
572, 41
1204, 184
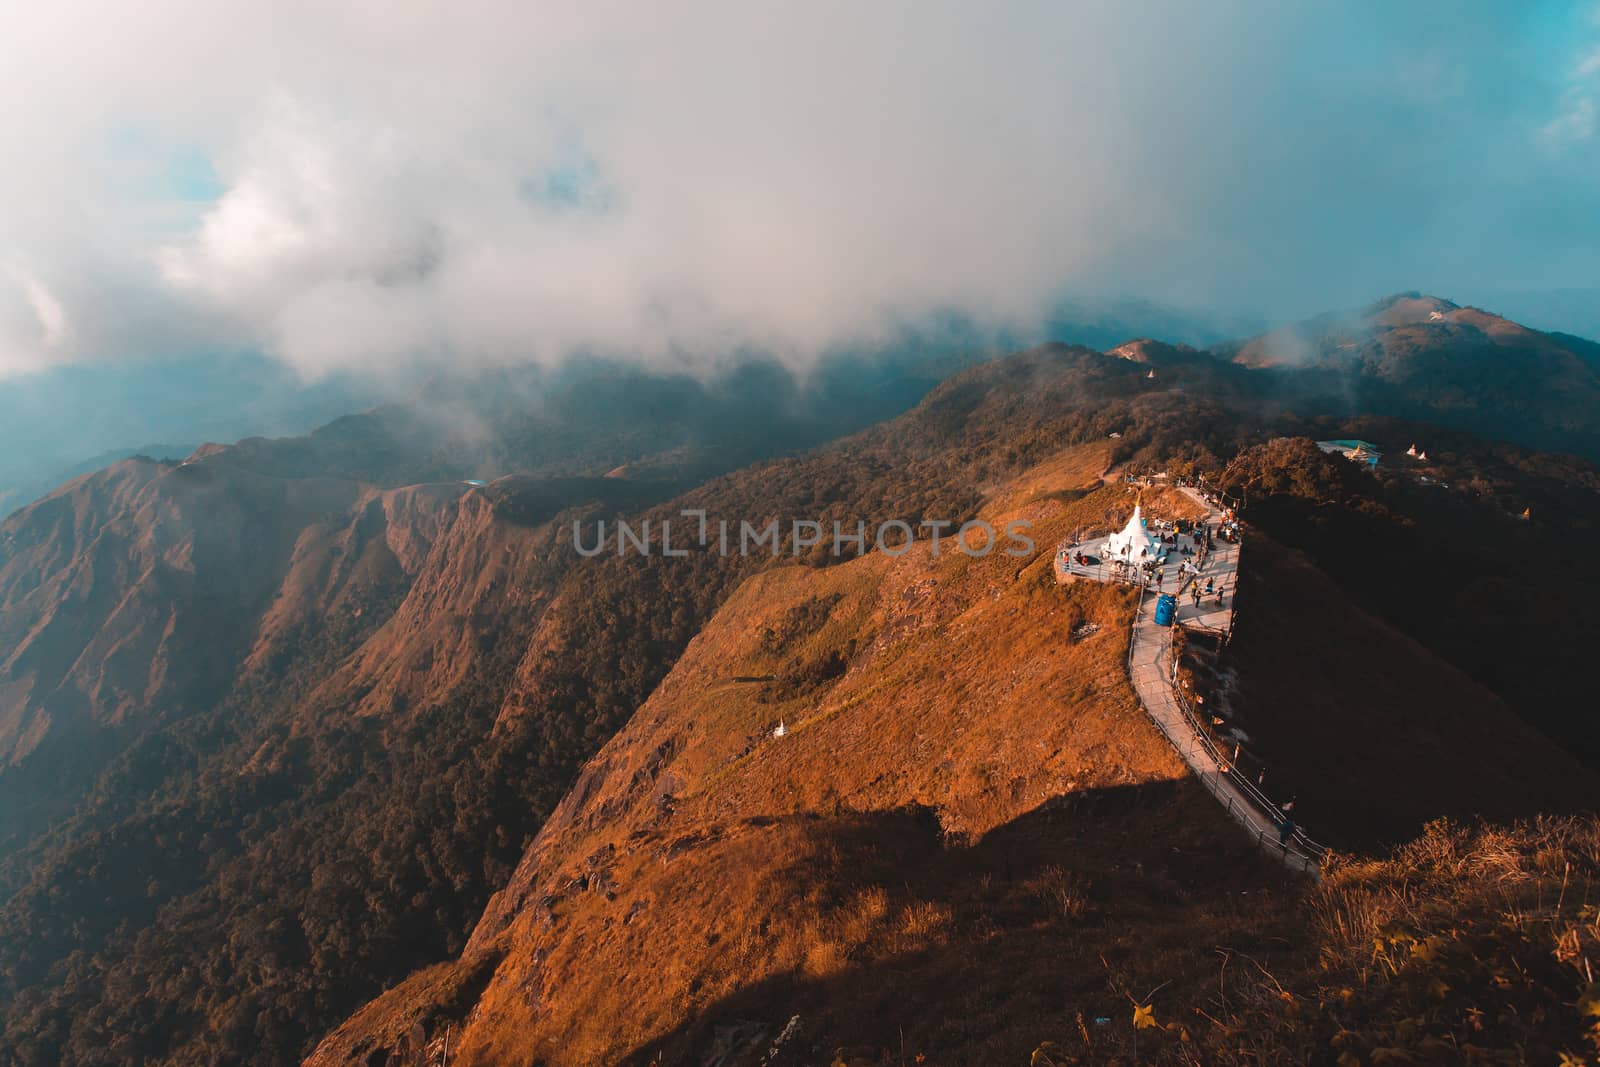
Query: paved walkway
1150, 666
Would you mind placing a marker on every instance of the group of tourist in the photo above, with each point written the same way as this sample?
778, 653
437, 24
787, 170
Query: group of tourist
1193, 541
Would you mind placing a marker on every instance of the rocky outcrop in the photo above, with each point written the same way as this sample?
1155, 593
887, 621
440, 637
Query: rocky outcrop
135, 595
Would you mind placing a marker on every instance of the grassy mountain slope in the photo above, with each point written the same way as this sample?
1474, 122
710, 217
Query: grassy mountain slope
969, 840
423, 684
345, 653
1441, 551
926, 702
214, 867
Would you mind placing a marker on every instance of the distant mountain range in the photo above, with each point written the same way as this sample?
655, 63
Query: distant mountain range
1418, 356
25, 492
57, 423
65, 421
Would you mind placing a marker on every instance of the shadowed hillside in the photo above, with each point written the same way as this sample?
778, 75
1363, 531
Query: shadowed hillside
241, 675
141, 594
1466, 554
1372, 733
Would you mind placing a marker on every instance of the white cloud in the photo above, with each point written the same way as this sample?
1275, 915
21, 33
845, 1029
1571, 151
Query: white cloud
47, 309
1576, 122
1578, 110
499, 181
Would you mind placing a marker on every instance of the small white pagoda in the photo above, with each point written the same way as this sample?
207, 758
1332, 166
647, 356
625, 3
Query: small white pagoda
1133, 544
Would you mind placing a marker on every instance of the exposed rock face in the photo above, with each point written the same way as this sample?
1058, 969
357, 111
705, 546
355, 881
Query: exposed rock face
1156, 353
142, 592
463, 581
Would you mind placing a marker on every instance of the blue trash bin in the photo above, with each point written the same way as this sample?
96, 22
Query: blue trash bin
1166, 608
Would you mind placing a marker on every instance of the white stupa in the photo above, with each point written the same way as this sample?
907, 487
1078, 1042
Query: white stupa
1133, 544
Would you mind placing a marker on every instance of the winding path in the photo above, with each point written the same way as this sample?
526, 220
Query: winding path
1151, 669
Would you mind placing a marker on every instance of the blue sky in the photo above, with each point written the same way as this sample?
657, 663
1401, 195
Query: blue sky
355, 188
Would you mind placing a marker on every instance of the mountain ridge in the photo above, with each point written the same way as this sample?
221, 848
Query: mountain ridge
427, 667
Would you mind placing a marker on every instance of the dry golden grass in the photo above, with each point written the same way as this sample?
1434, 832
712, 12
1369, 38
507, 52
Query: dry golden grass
963, 695
970, 842
1464, 946
865, 924
446, 991
1065, 892
1074, 471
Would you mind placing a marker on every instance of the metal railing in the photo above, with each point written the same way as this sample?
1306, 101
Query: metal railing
1198, 749
1227, 766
